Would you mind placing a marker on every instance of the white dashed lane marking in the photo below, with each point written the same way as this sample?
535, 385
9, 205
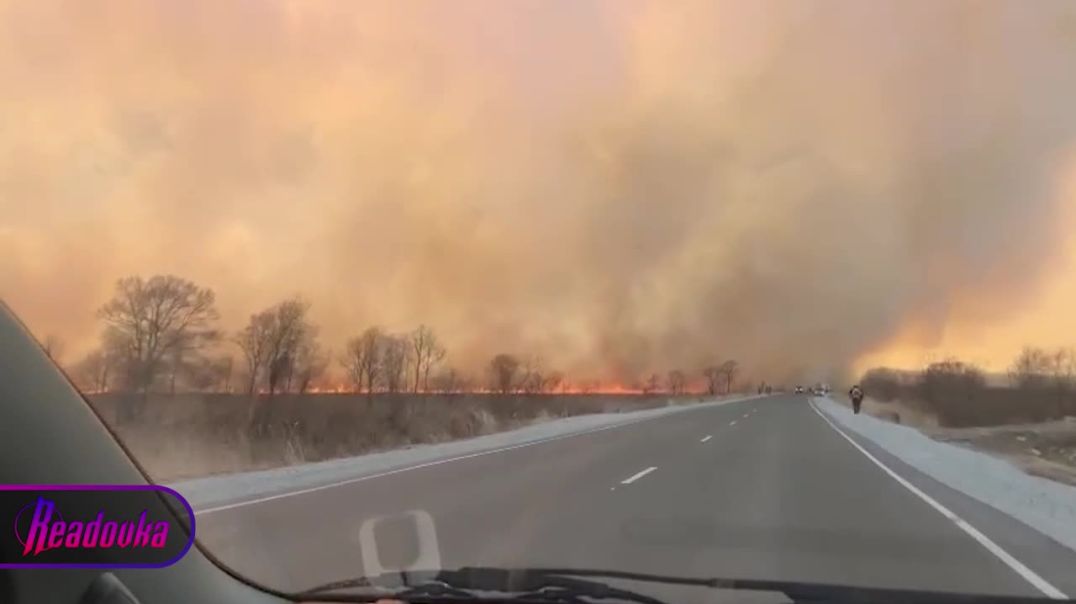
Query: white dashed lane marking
638, 475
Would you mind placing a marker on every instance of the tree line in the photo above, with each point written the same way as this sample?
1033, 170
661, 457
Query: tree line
1039, 384
161, 333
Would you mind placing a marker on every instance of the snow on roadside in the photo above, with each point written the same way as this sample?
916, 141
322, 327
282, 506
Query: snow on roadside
1042, 504
213, 491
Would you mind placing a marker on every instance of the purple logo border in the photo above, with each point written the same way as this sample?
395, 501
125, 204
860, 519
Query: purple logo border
105, 487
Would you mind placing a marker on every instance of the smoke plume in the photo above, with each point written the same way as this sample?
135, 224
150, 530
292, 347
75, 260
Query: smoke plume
616, 187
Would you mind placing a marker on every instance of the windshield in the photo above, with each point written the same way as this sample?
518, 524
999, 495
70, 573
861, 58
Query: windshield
778, 291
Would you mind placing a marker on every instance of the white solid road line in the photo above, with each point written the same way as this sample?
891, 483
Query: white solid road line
1019, 567
638, 475
705, 438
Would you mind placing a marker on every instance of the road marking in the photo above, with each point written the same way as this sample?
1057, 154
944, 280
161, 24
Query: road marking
1019, 567
437, 462
705, 438
732, 423
639, 475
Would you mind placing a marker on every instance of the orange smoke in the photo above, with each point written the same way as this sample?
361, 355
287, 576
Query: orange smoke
665, 186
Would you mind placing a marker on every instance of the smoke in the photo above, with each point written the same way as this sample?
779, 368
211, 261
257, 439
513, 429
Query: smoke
616, 187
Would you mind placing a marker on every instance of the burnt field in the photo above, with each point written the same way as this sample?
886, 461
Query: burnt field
190, 435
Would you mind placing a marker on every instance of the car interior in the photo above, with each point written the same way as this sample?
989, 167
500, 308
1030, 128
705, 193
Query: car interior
50, 435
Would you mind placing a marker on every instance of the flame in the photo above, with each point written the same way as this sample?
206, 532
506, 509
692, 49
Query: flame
576, 388
611, 388
329, 389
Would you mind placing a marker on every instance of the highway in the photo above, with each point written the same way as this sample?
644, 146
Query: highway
764, 488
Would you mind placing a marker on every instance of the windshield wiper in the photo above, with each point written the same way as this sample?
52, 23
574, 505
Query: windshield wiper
469, 584
518, 586
565, 586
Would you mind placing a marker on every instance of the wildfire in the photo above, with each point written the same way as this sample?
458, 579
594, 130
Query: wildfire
601, 388
328, 389
578, 388
567, 388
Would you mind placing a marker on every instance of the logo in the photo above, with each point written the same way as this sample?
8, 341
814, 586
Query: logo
99, 526
48, 531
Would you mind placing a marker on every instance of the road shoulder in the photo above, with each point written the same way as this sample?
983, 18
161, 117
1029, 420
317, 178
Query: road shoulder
1039, 550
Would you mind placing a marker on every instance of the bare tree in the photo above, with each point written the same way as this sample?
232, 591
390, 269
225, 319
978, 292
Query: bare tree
176, 363
290, 328
713, 378
651, 385
729, 369
676, 381
223, 368
1063, 372
950, 379
363, 359
151, 318
503, 368
207, 374
97, 371
426, 352
1032, 368
309, 364
396, 356
437, 354
352, 360
882, 383
253, 340
279, 371
446, 381
54, 347
552, 381
271, 343
92, 372
531, 379
451, 381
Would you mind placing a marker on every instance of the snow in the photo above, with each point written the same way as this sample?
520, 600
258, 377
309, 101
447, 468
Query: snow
1045, 505
207, 493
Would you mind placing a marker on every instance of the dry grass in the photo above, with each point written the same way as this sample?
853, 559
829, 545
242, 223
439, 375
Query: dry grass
190, 435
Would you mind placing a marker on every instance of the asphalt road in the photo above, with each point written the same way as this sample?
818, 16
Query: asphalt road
763, 488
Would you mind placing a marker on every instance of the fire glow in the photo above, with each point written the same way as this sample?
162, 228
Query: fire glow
577, 388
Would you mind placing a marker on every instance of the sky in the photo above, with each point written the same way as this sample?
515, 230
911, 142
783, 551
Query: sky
617, 187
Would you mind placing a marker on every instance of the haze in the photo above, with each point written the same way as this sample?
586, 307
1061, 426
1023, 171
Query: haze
618, 187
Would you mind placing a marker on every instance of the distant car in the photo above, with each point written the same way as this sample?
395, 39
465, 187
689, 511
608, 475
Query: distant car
799, 389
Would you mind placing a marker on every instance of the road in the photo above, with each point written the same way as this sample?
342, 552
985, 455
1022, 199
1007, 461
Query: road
763, 488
